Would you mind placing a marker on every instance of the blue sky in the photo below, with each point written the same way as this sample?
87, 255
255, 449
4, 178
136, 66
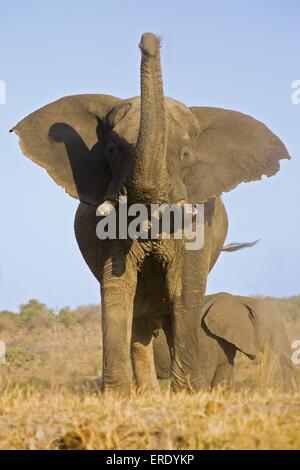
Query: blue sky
235, 54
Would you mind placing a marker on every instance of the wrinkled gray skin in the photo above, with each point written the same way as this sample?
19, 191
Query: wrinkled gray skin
231, 323
154, 150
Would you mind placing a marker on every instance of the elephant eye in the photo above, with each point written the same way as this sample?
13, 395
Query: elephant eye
111, 149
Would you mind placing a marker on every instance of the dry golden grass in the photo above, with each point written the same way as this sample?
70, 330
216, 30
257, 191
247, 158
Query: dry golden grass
61, 419
50, 399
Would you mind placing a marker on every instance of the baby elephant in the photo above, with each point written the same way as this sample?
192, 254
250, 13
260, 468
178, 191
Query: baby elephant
230, 323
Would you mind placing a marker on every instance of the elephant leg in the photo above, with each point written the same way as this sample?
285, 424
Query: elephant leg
162, 353
288, 373
281, 373
224, 359
142, 356
186, 285
118, 286
223, 375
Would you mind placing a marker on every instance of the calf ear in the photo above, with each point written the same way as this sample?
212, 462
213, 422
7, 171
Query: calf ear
230, 148
66, 138
229, 318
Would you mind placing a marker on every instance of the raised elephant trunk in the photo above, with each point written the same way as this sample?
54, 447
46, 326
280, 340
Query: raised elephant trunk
149, 180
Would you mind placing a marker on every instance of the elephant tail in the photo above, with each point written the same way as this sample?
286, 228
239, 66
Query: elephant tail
239, 246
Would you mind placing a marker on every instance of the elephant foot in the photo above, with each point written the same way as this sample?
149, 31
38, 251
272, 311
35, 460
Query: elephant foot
151, 389
119, 386
189, 388
123, 390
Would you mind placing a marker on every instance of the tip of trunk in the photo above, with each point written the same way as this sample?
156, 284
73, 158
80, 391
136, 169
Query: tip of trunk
150, 44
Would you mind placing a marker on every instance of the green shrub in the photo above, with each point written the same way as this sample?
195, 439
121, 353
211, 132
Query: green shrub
289, 308
34, 314
8, 320
19, 356
37, 382
67, 317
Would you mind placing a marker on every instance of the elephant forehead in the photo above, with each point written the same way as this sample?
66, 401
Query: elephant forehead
181, 122
181, 117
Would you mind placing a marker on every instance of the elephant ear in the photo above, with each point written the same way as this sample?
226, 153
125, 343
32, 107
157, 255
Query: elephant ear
85, 232
229, 318
269, 326
66, 138
231, 148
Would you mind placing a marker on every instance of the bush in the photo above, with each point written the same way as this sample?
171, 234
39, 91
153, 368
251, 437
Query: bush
7, 320
37, 382
66, 317
19, 356
289, 308
88, 314
34, 314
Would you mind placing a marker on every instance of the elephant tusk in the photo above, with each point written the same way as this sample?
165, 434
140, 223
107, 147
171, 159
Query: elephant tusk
191, 209
105, 209
157, 213
146, 226
187, 207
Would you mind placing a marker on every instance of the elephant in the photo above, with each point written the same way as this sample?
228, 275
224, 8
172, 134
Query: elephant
231, 323
149, 150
